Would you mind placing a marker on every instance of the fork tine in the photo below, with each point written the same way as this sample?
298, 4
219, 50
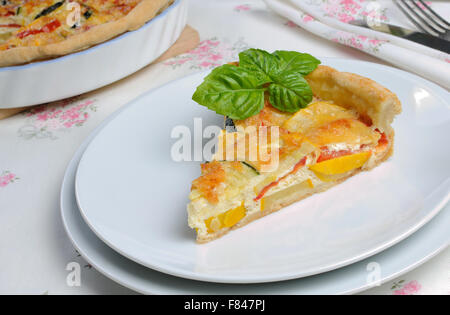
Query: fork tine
431, 19
400, 4
421, 18
440, 18
416, 18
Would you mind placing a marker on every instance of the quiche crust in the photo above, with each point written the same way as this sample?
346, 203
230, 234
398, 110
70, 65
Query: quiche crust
353, 91
141, 14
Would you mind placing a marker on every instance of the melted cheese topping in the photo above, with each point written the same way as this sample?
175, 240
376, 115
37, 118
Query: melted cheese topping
38, 27
349, 131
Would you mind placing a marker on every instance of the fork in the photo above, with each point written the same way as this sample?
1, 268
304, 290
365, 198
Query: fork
425, 18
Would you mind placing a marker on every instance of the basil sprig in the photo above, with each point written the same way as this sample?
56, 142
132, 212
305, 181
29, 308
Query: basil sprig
238, 91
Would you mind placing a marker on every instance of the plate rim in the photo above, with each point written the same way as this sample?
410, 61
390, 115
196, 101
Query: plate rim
283, 276
119, 279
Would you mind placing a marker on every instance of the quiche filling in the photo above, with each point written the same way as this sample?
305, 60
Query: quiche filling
38, 22
331, 146
293, 128
40, 29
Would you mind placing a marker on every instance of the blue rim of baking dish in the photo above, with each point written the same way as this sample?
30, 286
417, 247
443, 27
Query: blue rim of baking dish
58, 59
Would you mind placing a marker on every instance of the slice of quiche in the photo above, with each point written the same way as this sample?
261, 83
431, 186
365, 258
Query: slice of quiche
344, 129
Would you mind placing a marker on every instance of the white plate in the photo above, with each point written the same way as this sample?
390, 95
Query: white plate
133, 196
81, 72
395, 261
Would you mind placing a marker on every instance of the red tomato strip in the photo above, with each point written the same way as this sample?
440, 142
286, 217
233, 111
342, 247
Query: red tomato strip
265, 189
10, 25
9, 13
326, 154
28, 33
48, 28
383, 140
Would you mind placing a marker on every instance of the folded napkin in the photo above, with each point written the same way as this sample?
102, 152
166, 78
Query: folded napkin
329, 19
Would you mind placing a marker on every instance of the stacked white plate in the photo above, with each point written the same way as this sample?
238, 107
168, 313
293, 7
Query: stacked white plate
123, 204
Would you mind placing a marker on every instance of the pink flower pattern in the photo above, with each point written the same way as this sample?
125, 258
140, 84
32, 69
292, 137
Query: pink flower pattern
358, 41
290, 24
350, 10
242, 7
45, 120
209, 54
409, 288
6, 178
305, 18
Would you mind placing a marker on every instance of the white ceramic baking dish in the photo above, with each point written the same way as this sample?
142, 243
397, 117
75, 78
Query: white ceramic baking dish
81, 72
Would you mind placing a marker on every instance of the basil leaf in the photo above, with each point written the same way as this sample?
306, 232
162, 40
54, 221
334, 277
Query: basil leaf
260, 62
290, 92
238, 92
231, 91
295, 61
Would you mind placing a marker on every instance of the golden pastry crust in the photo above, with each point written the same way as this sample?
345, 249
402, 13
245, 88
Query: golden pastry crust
353, 91
142, 13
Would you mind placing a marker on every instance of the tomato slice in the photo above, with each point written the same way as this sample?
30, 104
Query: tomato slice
326, 154
7, 13
48, 28
383, 140
10, 25
273, 184
26, 33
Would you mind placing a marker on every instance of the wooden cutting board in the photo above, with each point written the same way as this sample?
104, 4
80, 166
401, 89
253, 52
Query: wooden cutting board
188, 40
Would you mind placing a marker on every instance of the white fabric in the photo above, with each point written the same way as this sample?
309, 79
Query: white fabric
36, 146
329, 19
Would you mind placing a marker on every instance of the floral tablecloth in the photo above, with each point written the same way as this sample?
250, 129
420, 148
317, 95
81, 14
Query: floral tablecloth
36, 146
